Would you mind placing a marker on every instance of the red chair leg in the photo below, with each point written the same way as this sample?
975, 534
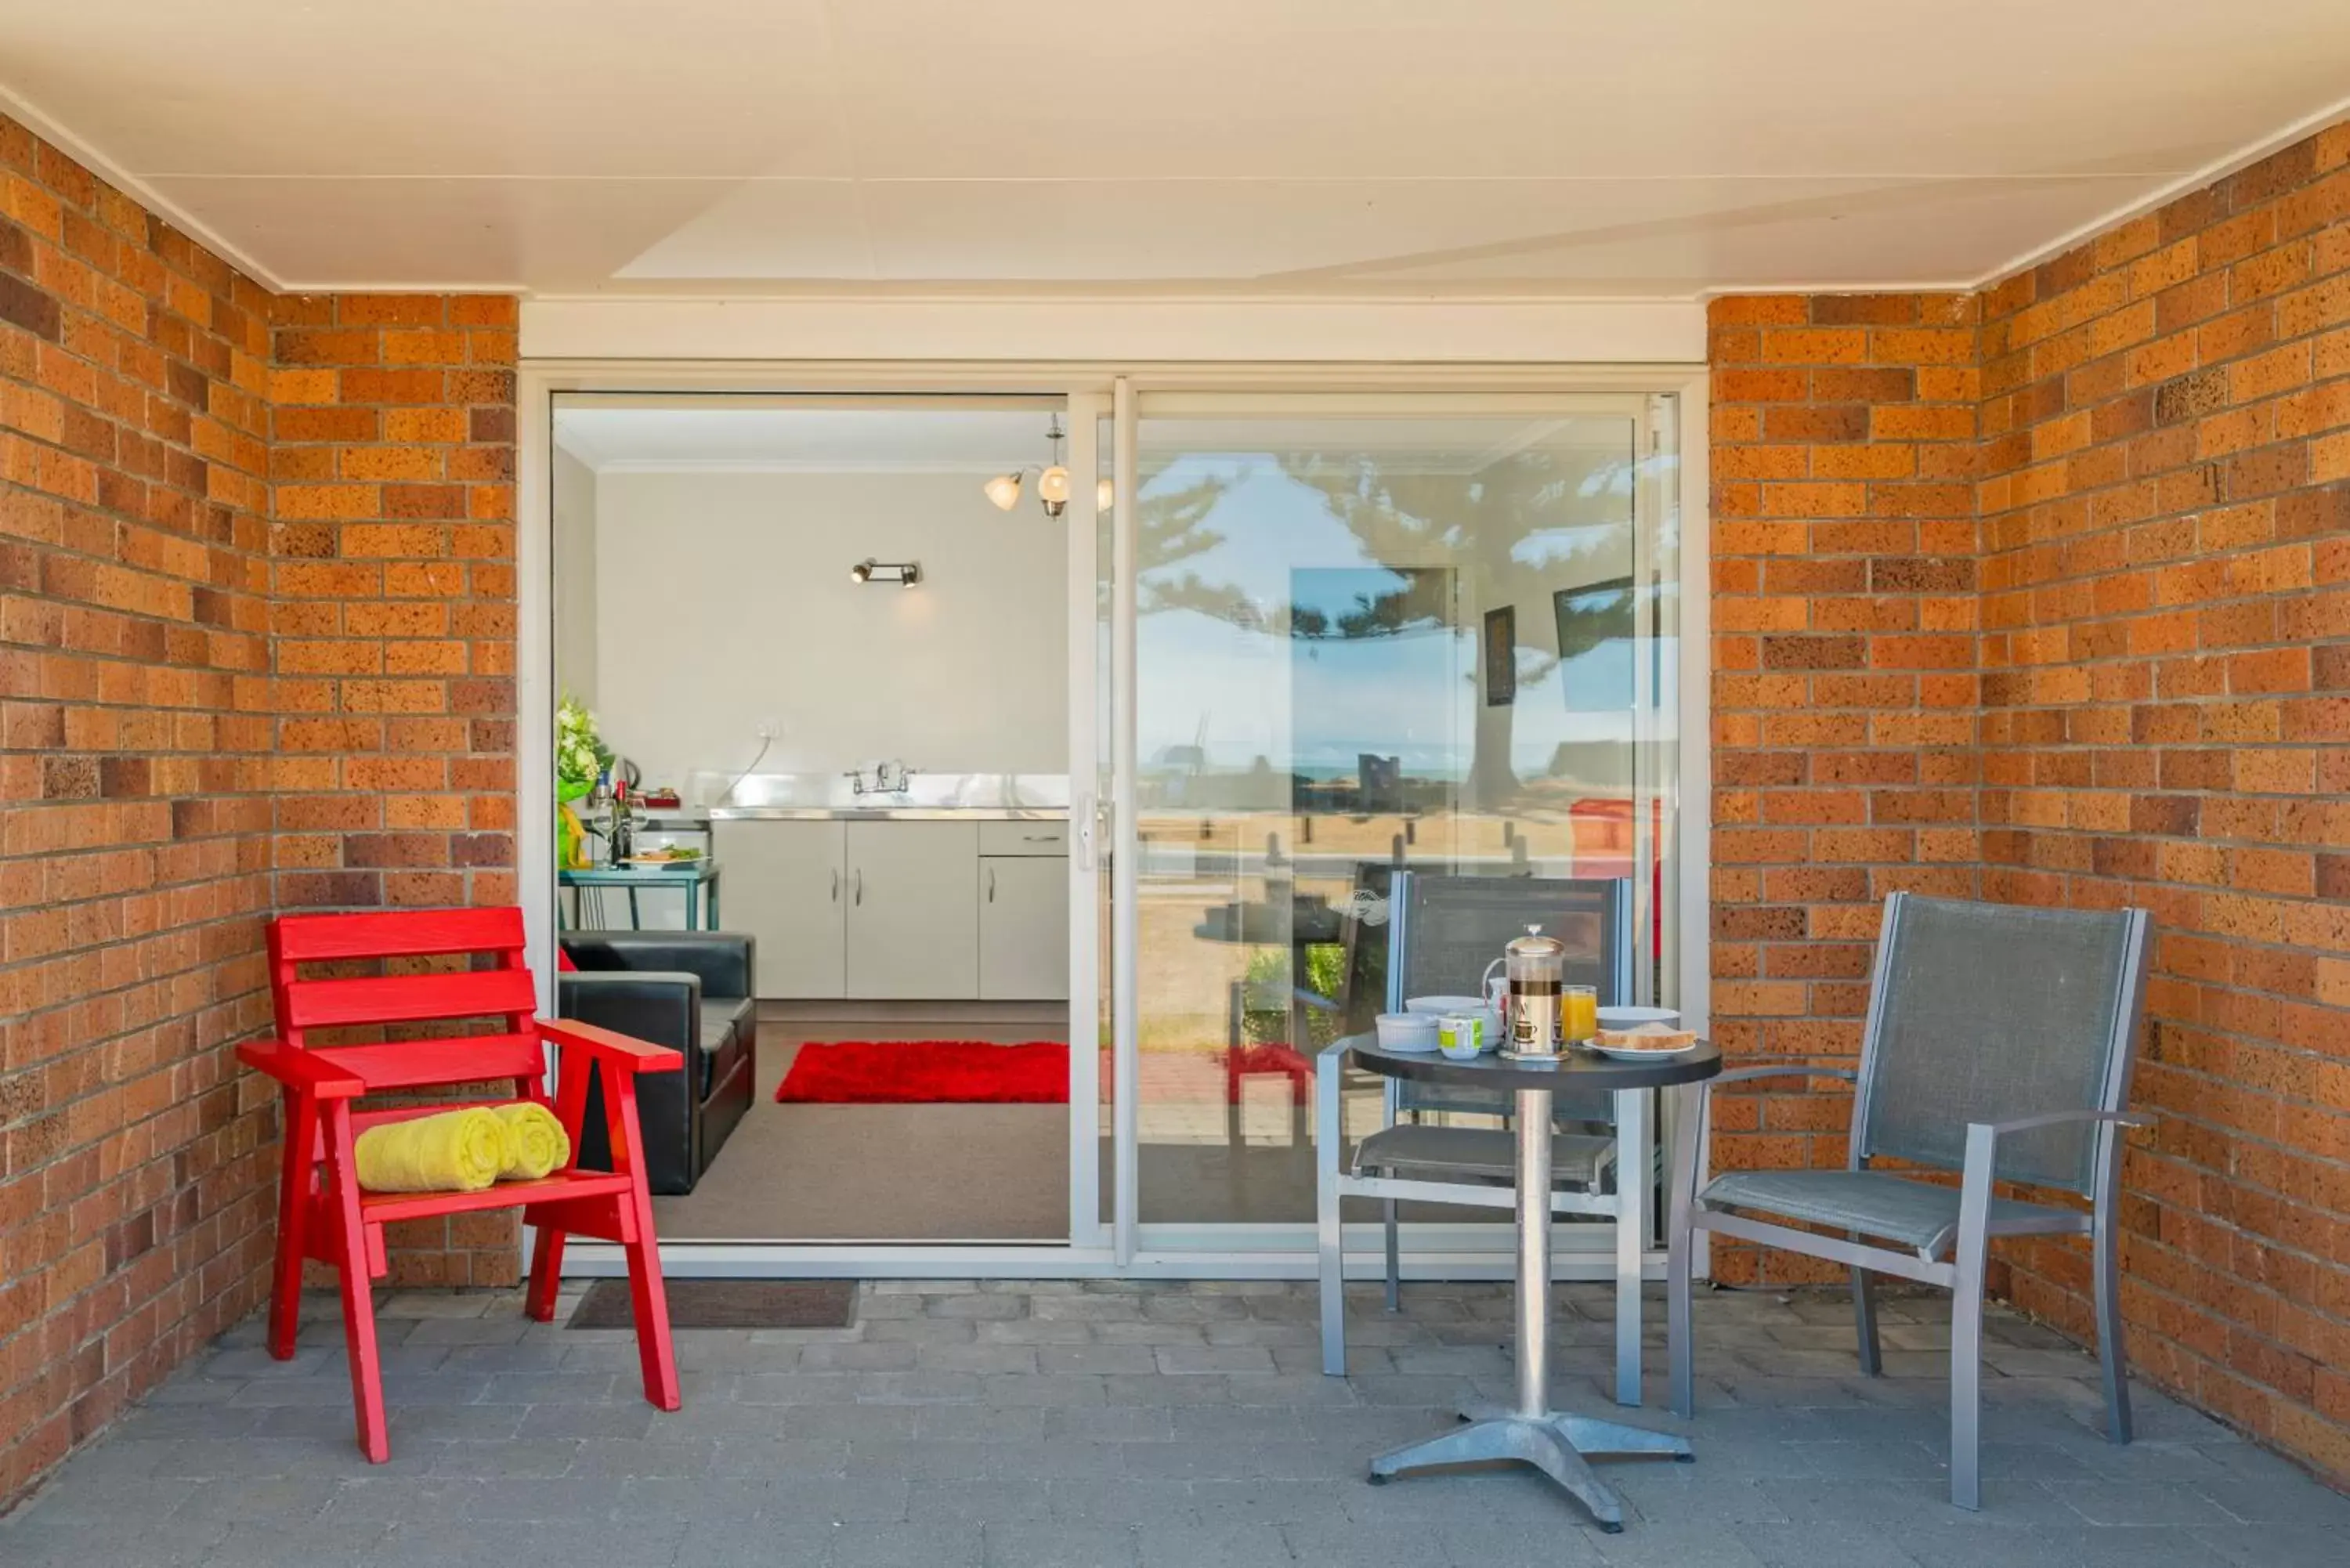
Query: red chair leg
294, 1187
647, 1295
546, 1272
358, 1294
546, 1256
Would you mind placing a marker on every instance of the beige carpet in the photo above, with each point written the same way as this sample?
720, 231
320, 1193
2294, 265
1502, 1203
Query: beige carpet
885, 1173
994, 1174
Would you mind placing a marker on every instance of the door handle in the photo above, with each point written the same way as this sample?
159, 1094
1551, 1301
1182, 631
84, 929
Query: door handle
835, 884
860, 887
991, 884
1082, 819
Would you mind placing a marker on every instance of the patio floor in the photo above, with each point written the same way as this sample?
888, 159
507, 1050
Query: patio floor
1104, 1424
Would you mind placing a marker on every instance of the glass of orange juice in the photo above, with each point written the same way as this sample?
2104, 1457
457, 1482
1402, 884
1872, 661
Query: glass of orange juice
1578, 1013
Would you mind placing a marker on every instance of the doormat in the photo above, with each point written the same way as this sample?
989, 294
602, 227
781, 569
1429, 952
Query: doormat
727, 1304
928, 1072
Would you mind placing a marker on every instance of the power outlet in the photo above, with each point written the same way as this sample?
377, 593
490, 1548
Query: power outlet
768, 729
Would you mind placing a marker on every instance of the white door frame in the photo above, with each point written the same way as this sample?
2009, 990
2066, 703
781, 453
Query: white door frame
1095, 1249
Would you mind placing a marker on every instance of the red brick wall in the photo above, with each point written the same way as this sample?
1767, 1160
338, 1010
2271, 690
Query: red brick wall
257, 652
2157, 712
393, 602
2166, 507
1845, 688
135, 737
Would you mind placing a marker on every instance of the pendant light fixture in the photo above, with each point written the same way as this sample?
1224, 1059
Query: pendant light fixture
1051, 482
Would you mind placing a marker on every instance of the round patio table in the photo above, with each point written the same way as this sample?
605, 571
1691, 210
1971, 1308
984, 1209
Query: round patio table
1557, 1442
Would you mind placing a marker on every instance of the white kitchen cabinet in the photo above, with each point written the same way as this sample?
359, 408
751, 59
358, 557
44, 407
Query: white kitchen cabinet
1024, 927
787, 883
1023, 836
913, 911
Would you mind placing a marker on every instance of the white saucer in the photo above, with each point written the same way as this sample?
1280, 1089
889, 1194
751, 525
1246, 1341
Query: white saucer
1633, 1054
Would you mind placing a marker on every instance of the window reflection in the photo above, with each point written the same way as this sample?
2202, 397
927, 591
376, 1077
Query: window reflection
1365, 643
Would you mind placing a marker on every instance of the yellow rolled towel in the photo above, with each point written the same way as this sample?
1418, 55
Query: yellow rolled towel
454, 1151
536, 1145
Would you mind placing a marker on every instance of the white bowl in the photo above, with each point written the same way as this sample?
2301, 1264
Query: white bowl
1437, 1006
1407, 1031
1633, 1017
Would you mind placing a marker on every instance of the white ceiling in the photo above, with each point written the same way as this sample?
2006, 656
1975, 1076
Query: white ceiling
1544, 147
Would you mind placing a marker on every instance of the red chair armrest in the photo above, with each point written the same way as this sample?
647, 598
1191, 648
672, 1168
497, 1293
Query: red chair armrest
618, 1052
300, 1070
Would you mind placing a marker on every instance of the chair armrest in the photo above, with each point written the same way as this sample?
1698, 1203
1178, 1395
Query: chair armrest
300, 1070
1340, 1046
616, 1052
725, 961
1745, 1074
2057, 1119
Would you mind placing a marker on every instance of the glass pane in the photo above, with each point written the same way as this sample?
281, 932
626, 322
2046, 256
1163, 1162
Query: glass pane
1435, 636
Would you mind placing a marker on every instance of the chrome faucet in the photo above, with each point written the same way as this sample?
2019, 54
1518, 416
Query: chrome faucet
892, 777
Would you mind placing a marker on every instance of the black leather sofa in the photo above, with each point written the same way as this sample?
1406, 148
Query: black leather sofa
690, 990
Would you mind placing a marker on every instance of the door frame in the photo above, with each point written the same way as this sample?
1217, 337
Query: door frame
1096, 1248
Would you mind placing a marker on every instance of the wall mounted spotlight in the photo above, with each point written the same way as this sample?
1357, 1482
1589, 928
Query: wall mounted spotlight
905, 574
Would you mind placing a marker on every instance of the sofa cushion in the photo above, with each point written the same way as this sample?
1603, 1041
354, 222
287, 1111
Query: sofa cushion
725, 1039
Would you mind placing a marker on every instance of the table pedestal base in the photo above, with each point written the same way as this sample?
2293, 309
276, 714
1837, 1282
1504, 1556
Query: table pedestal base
1557, 1443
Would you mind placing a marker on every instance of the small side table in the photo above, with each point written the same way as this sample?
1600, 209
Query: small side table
1557, 1442
688, 878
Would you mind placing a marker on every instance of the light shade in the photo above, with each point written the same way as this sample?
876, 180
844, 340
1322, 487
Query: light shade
1004, 491
1105, 493
1053, 486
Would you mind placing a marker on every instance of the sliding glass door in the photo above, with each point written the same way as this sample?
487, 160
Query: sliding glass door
1360, 633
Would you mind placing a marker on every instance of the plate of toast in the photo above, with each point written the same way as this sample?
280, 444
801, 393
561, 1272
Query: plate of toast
1643, 1041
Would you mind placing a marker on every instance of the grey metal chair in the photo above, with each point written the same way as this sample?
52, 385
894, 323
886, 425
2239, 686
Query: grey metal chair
1442, 932
1998, 1045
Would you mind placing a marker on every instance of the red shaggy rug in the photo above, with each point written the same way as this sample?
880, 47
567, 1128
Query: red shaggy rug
928, 1072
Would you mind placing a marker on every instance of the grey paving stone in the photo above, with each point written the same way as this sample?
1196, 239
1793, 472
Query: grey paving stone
2136, 1503
927, 1543
1323, 1545
1214, 1546
976, 1423
1184, 1360
1095, 1358
961, 1424
996, 1500
1112, 1422
1029, 1544
975, 1358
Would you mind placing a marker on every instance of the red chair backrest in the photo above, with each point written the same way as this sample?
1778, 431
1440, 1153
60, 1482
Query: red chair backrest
505, 990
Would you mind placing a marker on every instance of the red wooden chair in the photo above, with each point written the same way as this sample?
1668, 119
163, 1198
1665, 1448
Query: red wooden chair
323, 1213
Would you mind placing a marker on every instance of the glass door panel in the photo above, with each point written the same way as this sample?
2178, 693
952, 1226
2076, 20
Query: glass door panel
1369, 632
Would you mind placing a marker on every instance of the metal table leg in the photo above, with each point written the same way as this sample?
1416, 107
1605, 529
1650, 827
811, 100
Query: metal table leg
1555, 1442
1635, 1159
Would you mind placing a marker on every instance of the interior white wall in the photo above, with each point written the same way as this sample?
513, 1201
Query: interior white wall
723, 601
575, 578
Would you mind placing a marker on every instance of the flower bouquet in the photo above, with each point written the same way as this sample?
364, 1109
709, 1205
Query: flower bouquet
580, 758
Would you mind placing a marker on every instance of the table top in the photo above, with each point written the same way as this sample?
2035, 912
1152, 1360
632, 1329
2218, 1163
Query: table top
1585, 1071
703, 870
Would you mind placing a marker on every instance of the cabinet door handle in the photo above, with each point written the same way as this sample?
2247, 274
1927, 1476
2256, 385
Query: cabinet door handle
835, 884
860, 887
991, 884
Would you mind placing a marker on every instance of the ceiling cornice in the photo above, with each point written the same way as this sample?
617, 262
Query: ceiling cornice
98, 161
2209, 174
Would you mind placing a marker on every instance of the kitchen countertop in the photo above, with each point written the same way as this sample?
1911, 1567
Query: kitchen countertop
832, 797
889, 814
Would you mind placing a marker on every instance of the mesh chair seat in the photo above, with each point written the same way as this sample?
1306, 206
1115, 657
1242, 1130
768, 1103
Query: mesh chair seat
1478, 1154
1874, 1202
